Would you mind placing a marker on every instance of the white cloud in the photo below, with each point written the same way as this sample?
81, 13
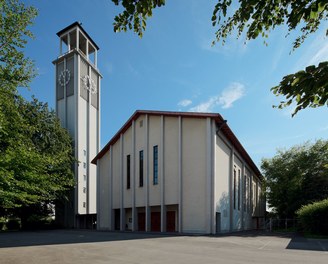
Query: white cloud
316, 52
232, 93
206, 106
320, 55
185, 102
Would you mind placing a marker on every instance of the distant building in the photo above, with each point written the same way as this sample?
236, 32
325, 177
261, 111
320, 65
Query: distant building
177, 172
77, 82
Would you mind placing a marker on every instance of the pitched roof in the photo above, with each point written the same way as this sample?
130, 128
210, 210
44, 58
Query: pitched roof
225, 129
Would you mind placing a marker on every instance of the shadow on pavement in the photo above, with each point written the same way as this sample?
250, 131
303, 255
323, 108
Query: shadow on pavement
297, 241
56, 237
256, 233
301, 243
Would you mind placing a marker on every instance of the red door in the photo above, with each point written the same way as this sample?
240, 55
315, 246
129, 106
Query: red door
170, 221
155, 221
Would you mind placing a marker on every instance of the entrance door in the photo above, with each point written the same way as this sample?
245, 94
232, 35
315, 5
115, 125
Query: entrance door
156, 221
170, 221
117, 219
141, 221
218, 222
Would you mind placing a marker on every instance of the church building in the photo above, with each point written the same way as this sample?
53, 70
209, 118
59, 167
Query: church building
177, 172
162, 171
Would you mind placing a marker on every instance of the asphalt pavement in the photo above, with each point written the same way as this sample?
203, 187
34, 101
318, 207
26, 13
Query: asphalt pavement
82, 246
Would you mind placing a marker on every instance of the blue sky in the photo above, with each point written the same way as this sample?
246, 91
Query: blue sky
174, 68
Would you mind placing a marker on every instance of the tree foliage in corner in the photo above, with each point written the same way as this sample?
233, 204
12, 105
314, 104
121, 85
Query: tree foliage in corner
256, 18
35, 152
308, 88
135, 14
15, 69
297, 177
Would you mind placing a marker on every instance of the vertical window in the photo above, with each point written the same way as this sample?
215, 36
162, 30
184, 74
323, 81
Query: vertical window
234, 189
245, 193
249, 194
155, 165
256, 195
141, 162
254, 198
239, 188
128, 172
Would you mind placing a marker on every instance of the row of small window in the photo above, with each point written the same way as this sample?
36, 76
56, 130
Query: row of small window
84, 176
141, 168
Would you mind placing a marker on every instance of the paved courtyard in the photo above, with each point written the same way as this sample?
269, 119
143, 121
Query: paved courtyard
71, 246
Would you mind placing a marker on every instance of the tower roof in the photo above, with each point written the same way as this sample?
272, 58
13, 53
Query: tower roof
79, 25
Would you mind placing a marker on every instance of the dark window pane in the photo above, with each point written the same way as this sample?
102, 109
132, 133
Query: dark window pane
234, 189
155, 165
141, 168
128, 173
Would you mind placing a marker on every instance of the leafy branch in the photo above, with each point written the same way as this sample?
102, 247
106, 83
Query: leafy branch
307, 88
135, 14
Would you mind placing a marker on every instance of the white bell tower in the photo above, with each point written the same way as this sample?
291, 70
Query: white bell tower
77, 82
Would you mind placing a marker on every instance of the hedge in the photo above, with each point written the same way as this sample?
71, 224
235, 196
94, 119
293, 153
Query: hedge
313, 217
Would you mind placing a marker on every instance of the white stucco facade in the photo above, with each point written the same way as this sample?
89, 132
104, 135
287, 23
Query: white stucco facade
177, 172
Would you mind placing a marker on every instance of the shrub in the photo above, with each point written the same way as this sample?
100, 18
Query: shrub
314, 217
13, 224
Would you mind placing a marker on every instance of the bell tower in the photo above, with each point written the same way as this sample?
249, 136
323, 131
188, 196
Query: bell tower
77, 82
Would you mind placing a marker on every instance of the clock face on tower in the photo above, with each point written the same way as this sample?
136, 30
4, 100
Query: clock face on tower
89, 84
64, 77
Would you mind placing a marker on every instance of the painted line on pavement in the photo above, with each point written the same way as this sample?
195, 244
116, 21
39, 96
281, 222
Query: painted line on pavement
266, 244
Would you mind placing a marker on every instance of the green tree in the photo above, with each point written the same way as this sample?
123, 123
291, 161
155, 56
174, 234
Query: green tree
307, 88
35, 151
36, 154
297, 177
15, 68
